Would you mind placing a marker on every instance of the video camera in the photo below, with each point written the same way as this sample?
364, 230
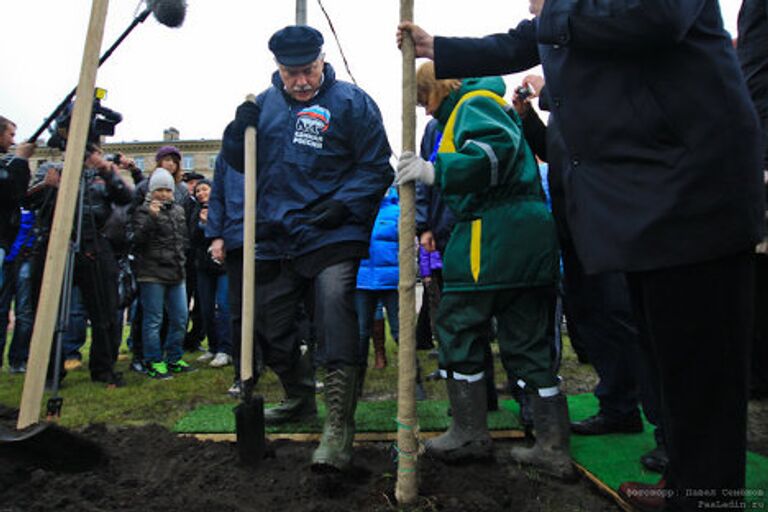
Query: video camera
103, 122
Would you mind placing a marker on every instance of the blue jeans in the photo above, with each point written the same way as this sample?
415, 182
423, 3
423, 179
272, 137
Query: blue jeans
366, 302
17, 286
212, 290
74, 337
154, 298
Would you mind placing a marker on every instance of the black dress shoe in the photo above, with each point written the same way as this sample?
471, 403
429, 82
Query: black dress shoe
645, 497
600, 424
111, 379
655, 460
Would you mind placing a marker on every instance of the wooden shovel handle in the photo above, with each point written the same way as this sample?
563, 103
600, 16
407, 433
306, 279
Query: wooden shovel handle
249, 254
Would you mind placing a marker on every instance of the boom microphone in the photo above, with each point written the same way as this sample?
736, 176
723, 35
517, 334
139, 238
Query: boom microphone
168, 12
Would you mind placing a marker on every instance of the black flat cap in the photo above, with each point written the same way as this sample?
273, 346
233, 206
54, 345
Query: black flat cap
191, 175
296, 45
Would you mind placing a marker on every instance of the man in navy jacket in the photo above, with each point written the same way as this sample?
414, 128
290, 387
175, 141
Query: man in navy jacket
663, 182
323, 161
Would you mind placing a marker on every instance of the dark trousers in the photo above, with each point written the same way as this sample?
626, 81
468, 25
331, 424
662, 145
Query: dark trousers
759, 371
96, 276
233, 263
524, 317
196, 332
601, 312
696, 320
278, 302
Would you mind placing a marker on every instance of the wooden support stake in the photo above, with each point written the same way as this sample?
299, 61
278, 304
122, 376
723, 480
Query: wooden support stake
63, 218
407, 487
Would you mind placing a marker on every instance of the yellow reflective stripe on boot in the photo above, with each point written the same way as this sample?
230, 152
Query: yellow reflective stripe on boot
474, 248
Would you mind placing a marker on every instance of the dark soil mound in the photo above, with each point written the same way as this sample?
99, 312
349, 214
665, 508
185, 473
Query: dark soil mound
151, 469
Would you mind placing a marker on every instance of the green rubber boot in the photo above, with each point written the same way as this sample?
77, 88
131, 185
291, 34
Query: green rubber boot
467, 437
552, 452
299, 402
335, 450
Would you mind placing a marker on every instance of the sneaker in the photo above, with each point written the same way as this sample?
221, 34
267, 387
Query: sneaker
72, 364
18, 368
207, 356
221, 360
234, 389
138, 366
158, 370
180, 366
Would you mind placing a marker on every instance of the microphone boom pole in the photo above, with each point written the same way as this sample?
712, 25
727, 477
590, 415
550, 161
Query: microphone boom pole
52, 116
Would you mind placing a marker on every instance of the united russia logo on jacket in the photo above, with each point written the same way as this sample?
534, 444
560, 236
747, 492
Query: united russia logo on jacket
311, 123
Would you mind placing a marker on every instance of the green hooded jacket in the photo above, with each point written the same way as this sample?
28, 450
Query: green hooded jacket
505, 235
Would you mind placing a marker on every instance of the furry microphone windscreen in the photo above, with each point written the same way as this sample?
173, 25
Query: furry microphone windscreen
169, 12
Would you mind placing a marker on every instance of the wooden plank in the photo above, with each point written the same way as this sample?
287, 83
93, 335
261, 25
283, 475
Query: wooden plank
604, 488
360, 437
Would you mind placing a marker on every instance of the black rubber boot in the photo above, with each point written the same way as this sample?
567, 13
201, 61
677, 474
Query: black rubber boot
335, 450
467, 437
299, 403
552, 452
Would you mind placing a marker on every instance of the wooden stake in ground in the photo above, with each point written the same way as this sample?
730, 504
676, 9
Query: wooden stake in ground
407, 487
63, 218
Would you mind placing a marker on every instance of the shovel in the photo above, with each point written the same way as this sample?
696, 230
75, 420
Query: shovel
249, 415
44, 442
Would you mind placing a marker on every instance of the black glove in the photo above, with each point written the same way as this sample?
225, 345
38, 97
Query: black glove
329, 214
247, 114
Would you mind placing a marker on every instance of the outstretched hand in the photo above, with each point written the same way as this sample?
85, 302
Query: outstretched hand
423, 43
536, 6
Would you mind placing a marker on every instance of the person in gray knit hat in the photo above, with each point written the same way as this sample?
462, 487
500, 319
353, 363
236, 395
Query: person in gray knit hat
160, 242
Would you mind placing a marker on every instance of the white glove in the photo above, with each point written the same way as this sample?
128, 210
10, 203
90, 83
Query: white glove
412, 168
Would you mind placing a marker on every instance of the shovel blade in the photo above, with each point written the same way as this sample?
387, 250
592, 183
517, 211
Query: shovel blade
249, 428
52, 447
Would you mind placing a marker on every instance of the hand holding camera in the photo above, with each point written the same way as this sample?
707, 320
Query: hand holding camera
154, 207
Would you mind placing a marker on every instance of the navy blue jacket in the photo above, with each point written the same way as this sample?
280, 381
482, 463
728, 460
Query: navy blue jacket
333, 147
753, 56
662, 140
225, 205
380, 271
432, 214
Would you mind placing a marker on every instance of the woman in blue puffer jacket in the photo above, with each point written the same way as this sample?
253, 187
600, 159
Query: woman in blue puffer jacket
377, 281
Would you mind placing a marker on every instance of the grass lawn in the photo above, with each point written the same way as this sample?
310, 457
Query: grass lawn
145, 400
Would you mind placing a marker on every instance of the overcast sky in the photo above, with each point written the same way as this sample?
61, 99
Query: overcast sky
193, 77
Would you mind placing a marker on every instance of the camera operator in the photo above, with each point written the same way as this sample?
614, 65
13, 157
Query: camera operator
95, 270
14, 178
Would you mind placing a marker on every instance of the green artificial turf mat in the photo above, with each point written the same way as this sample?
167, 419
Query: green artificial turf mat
374, 416
615, 458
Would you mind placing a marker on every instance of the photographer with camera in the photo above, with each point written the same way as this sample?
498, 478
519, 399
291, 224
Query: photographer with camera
95, 269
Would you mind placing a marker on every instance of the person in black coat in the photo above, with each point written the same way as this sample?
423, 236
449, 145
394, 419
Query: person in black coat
14, 178
662, 182
753, 55
598, 308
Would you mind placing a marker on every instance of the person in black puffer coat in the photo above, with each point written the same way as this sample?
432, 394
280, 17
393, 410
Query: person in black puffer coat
160, 240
